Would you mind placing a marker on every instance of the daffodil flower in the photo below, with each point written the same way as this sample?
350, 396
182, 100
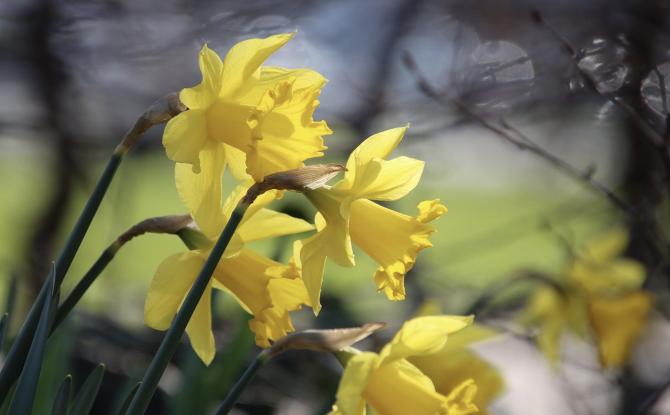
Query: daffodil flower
601, 298
392, 385
266, 289
455, 363
264, 112
347, 213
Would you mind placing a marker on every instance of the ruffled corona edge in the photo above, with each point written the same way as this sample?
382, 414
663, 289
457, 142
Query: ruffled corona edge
393, 240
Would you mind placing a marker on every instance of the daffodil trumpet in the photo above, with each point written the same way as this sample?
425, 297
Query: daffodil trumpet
158, 113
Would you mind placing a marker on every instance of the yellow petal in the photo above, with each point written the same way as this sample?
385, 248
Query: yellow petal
244, 59
201, 192
204, 94
312, 257
377, 146
335, 240
172, 280
232, 201
185, 136
455, 364
237, 163
272, 75
547, 312
267, 223
400, 388
268, 295
460, 400
618, 323
244, 276
422, 335
286, 294
349, 398
227, 123
387, 179
283, 133
199, 328
606, 246
430, 210
614, 276
392, 239
270, 324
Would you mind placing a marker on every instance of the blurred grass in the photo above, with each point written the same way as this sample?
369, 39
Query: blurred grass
484, 236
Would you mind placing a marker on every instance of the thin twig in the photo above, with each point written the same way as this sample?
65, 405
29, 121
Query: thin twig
652, 136
517, 138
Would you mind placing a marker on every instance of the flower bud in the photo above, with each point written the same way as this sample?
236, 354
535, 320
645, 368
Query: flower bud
299, 180
171, 224
332, 340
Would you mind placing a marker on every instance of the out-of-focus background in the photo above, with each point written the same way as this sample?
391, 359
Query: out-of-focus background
523, 110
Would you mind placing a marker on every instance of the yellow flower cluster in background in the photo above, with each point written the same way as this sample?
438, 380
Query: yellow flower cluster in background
601, 297
254, 122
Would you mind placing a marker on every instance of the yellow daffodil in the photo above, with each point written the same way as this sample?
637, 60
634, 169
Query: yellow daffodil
455, 363
601, 296
265, 288
347, 213
391, 384
263, 112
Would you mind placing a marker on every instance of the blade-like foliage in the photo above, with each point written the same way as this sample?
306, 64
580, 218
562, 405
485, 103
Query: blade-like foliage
3, 329
83, 402
129, 398
62, 397
24, 396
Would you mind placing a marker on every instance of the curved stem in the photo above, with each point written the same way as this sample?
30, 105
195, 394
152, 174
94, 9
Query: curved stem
244, 380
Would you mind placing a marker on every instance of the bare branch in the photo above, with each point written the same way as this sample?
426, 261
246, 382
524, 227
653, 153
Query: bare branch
652, 136
514, 136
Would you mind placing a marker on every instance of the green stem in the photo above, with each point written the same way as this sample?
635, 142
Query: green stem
19, 350
158, 113
174, 334
84, 284
244, 380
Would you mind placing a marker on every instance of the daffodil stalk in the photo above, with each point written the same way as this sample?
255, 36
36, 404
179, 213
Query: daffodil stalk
249, 373
158, 113
173, 224
174, 334
333, 341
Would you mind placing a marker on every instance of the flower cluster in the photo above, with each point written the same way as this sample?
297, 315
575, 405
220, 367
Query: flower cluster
600, 297
255, 124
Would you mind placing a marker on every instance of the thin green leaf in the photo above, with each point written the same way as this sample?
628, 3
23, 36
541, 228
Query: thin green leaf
129, 398
10, 304
4, 322
10, 297
85, 398
62, 397
17, 354
24, 396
